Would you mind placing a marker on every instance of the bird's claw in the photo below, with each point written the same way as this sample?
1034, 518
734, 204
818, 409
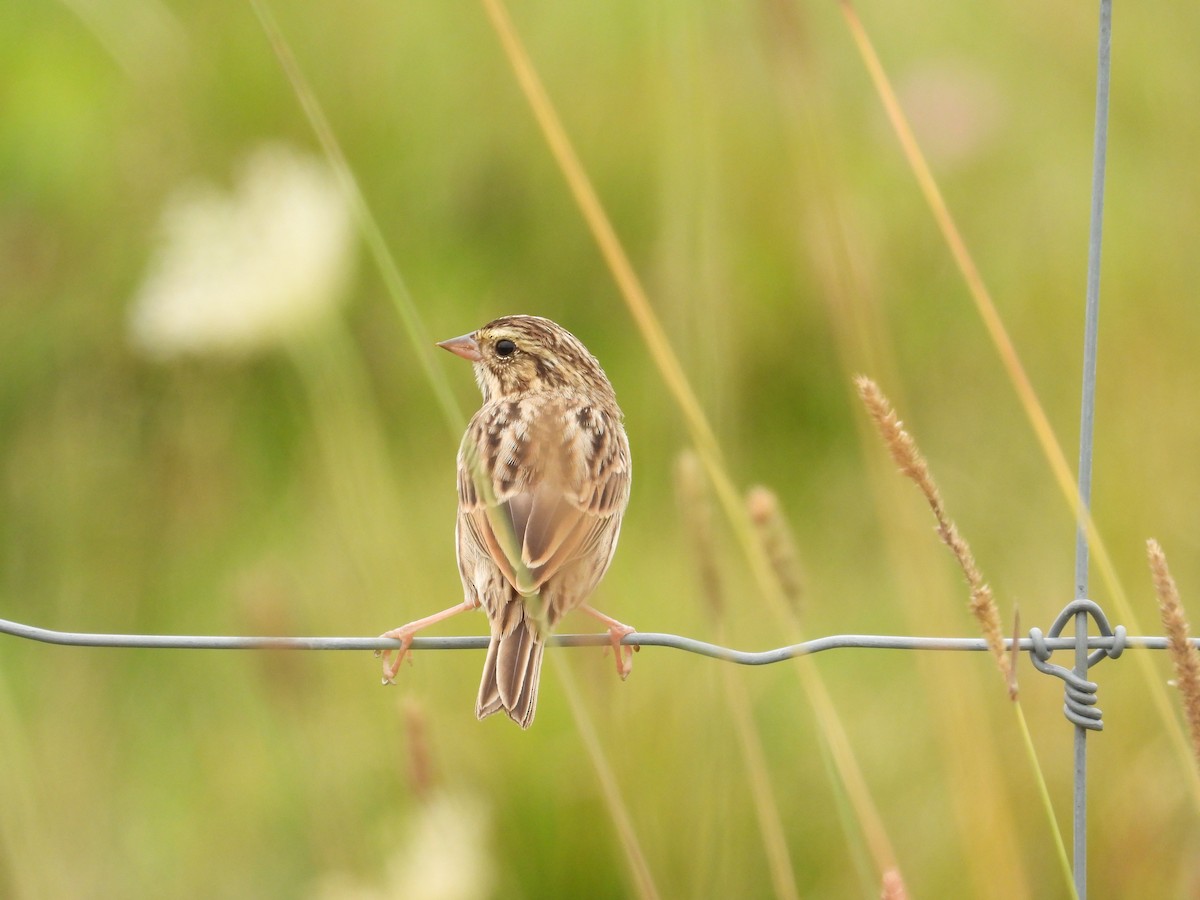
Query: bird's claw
393, 659
405, 633
622, 655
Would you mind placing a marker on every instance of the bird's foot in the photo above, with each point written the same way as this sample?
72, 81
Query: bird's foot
622, 653
394, 658
617, 632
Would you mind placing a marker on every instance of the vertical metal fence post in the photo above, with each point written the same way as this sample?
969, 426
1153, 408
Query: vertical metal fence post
1087, 415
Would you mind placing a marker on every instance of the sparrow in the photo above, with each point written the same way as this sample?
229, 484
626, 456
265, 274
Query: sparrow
543, 482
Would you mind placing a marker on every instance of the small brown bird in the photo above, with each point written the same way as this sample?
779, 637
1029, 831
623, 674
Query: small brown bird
543, 481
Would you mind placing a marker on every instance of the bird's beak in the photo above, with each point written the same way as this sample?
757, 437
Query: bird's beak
464, 346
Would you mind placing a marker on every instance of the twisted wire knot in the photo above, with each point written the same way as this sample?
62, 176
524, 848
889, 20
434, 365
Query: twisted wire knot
1080, 706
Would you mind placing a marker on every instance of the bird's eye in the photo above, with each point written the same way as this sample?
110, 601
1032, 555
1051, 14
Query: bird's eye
505, 348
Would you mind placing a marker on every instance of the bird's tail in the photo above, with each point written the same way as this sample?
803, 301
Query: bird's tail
513, 666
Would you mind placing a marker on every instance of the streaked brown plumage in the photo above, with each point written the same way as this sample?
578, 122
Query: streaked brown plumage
543, 481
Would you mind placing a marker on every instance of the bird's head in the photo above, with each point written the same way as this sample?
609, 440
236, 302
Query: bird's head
518, 355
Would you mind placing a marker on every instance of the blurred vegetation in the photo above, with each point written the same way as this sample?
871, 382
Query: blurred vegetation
749, 171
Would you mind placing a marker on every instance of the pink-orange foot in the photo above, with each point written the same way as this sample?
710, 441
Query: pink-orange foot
392, 659
617, 631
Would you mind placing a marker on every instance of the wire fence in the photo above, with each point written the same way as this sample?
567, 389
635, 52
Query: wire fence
1040, 646
1079, 706
1077, 710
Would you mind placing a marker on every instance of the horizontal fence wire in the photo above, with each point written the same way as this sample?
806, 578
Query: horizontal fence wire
637, 639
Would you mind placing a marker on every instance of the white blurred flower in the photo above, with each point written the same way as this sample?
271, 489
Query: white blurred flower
445, 856
235, 273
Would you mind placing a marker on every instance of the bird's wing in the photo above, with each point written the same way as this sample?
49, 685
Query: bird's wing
546, 484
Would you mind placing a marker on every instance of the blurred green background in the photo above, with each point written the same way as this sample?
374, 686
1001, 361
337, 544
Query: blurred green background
308, 487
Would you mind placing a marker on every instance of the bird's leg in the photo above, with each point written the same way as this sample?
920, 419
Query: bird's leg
616, 632
405, 633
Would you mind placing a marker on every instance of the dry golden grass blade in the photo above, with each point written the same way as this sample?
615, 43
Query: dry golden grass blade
639, 868
766, 810
606, 238
1014, 652
1034, 412
1184, 655
697, 515
633, 293
963, 259
703, 437
907, 456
